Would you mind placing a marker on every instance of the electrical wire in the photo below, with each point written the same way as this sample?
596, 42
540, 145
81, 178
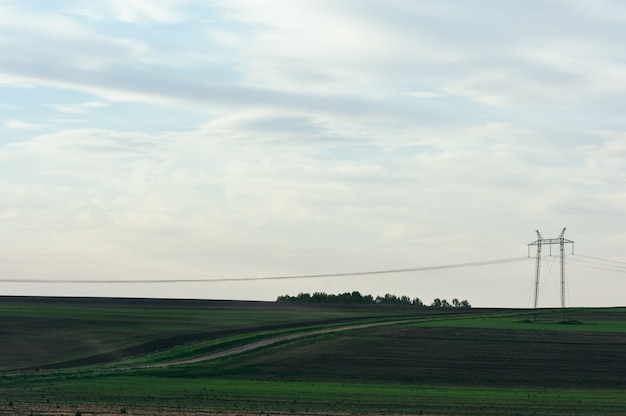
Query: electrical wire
590, 262
604, 260
248, 279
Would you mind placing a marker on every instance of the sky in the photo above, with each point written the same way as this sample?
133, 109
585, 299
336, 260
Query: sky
199, 140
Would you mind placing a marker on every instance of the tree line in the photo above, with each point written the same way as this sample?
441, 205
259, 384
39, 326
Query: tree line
357, 298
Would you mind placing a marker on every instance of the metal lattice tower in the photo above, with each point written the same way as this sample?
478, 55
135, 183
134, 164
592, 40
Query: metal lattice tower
561, 241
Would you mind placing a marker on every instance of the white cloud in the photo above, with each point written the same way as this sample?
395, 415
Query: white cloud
23, 125
160, 11
554, 72
79, 108
301, 45
325, 136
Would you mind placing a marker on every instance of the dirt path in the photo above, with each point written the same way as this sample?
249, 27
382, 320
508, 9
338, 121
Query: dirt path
170, 342
266, 342
226, 353
290, 337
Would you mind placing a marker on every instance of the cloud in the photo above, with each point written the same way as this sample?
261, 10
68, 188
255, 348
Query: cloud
159, 11
266, 184
247, 138
23, 125
361, 51
79, 108
174, 199
136, 86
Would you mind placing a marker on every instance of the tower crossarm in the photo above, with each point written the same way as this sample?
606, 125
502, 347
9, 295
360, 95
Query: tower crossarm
551, 241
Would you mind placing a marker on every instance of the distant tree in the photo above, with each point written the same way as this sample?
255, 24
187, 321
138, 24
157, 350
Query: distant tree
356, 297
319, 297
405, 300
303, 297
340, 298
390, 299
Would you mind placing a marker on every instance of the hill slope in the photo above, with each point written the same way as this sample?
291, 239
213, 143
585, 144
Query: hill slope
483, 362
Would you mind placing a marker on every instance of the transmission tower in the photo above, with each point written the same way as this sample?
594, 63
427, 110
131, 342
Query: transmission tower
561, 241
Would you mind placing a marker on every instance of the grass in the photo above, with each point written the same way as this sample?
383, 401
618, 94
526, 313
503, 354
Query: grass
522, 324
478, 362
195, 349
441, 356
38, 332
579, 320
332, 397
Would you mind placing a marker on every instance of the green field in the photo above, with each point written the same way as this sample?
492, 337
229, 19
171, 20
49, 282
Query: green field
446, 362
39, 332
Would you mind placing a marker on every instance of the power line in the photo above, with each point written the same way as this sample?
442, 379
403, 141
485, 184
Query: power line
596, 263
601, 259
248, 279
599, 266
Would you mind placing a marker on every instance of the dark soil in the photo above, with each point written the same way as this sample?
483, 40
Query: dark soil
451, 356
99, 330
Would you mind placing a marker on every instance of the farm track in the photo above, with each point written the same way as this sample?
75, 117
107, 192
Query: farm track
78, 365
75, 365
56, 333
165, 343
270, 341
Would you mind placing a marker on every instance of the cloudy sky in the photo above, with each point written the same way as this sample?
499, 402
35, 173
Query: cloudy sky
181, 140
